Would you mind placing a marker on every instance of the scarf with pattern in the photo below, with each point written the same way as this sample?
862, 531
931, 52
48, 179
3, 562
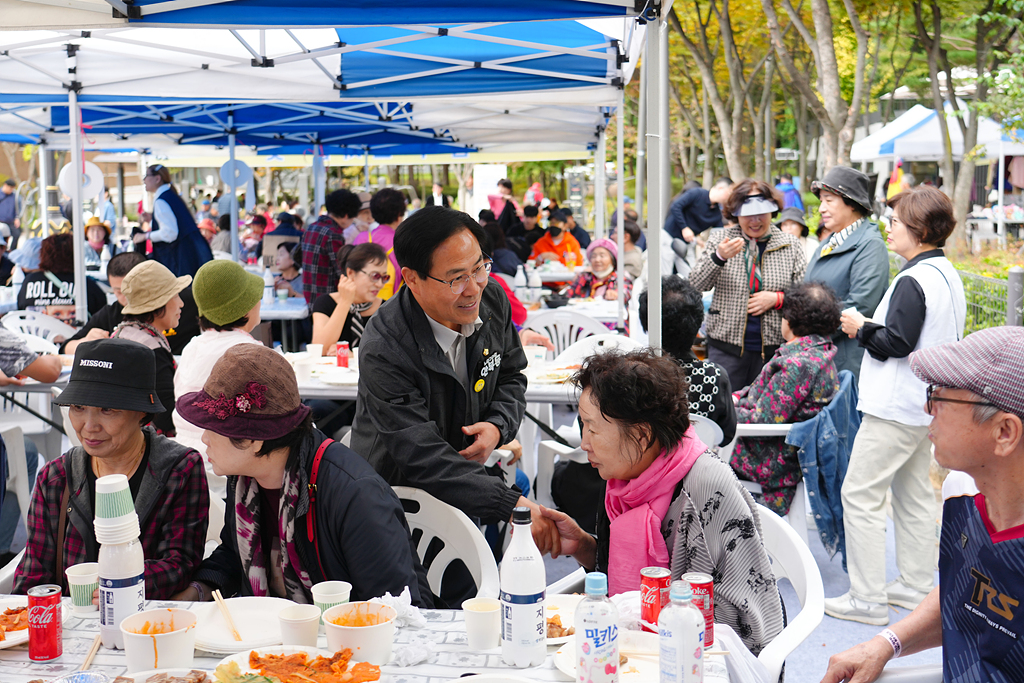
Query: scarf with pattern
251, 552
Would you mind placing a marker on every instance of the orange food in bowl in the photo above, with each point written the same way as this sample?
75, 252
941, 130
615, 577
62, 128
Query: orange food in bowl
361, 616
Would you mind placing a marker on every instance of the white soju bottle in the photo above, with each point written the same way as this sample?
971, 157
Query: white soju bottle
523, 583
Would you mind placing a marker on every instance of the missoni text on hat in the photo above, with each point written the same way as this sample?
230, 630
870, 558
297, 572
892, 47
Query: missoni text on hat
90, 363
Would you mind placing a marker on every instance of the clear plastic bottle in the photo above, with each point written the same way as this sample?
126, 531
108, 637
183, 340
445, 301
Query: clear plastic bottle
268, 287
681, 637
523, 584
121, 570
597, 634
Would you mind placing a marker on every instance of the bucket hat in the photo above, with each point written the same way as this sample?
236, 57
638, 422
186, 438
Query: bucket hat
846, 182
27, 256
792, 213
95, 220
113, 373
225, 291
150, 285
251, 394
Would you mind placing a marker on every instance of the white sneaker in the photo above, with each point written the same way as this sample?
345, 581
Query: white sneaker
902, 595
851, 609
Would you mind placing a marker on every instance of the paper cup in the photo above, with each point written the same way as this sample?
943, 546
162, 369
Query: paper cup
368, 643
113, 499
83, 580
121, 530
304, 370
300, 625
483, 623
159, 639
327, 594
282, 295
535, 355
315, 350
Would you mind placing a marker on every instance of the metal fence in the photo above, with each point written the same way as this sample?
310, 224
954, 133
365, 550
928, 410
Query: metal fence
988, 298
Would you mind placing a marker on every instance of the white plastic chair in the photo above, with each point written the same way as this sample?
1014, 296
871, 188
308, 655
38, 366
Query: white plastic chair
928, 673
565, 328
571, 583
69, 431
38, 344
17, 468
38, 325
462, 540
708, 431
7, 574
595, 343
791, 559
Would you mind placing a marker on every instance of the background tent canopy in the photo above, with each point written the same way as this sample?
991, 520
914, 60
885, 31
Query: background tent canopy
236, 13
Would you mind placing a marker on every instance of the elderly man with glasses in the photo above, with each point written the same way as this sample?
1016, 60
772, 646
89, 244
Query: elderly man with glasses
441, 383
976, 399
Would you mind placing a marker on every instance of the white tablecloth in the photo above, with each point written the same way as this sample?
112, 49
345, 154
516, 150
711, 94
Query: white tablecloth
293, 308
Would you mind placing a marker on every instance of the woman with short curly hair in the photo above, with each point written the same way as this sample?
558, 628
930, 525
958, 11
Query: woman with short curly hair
799, 380
662, 481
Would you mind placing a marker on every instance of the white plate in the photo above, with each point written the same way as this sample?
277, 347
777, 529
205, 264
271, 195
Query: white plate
256, 619
242, 658
18, 637
143, 676
343, 377
564, 605
638, 668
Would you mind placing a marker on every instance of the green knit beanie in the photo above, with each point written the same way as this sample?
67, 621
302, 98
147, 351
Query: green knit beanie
225, 291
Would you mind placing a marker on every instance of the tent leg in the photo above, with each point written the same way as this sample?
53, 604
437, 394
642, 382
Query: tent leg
664, 133
319, 181
366, 170
234, 188
620, 209
656, 32
600, 185
44, 191
641, 143
74, 117
1001, 216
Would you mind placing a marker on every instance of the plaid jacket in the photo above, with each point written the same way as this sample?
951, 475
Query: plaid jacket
173, 507
783, 264
320, 270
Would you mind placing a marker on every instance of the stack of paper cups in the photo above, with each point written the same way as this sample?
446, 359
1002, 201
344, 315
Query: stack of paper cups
116, 520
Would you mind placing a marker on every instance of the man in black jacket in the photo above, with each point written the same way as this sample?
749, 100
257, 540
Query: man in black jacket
100, 325
441, 382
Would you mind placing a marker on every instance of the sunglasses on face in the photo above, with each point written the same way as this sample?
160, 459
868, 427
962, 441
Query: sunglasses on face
378, 278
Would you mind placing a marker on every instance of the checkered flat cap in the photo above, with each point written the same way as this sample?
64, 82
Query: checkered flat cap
989, 363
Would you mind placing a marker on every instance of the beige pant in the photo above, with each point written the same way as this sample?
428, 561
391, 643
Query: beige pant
889, 454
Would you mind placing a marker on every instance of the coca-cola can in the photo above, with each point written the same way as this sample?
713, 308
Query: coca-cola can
45, 633
704, 598
342, 353
654, 583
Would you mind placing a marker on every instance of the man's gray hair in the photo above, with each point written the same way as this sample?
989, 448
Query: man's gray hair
983, 412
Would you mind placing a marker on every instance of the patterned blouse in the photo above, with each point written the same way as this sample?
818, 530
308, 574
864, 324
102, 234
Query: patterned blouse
588, 285
799, 380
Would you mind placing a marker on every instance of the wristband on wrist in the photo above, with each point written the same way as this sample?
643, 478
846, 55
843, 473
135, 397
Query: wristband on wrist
199, 589
894, 641
778, 300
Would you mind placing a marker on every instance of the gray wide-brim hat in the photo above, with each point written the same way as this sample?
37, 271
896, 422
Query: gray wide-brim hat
846, 182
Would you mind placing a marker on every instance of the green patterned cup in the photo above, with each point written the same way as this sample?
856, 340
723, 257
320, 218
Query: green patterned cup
113, 499
327, 594
83, 580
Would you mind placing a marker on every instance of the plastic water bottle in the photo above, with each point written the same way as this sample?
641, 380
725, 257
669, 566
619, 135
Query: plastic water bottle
104, 261
523, 583
268, 287
681, 637
536, 286
597, 634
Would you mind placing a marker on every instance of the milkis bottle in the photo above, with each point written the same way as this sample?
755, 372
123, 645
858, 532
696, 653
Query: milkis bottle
681, 637
523, 583
597, 634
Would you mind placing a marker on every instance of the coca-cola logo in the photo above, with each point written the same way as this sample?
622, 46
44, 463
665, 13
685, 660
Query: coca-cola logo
41, 615
650, 596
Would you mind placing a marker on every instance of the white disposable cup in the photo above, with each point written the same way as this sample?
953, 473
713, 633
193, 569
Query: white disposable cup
368, 643
850, 310
304, 370
535, 355
315, 350
300, 625
83, 580
483, 623
327, 594
174, 649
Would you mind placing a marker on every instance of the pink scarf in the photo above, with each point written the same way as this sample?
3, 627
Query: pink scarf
636, 509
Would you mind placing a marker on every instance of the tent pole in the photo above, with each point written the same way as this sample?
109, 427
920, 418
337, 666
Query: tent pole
44, 192
620, 210
600, 185
641, 143
234, 186
366, 169
81, 313
120, 192
664, 158
655, 215
318, 182
1001, 216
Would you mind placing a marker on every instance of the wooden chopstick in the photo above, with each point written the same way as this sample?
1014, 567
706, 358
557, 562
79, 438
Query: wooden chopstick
227, 614
92, 654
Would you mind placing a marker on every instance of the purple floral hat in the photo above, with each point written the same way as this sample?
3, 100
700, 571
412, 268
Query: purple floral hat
251, 394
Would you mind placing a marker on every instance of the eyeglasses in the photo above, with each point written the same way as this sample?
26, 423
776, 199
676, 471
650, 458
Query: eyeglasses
459, 284
378, 278
931, 398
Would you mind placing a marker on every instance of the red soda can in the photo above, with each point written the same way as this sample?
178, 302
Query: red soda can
342, 354
704, 598
654, 583
45, 633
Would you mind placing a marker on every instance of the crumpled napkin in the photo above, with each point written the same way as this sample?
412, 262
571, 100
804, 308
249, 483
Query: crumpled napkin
412, 654
408, 614
628, 605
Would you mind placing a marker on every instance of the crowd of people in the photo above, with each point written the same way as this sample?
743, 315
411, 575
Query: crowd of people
170, 388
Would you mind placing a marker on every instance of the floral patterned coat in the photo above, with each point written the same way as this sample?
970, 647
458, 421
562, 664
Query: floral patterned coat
799, 380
